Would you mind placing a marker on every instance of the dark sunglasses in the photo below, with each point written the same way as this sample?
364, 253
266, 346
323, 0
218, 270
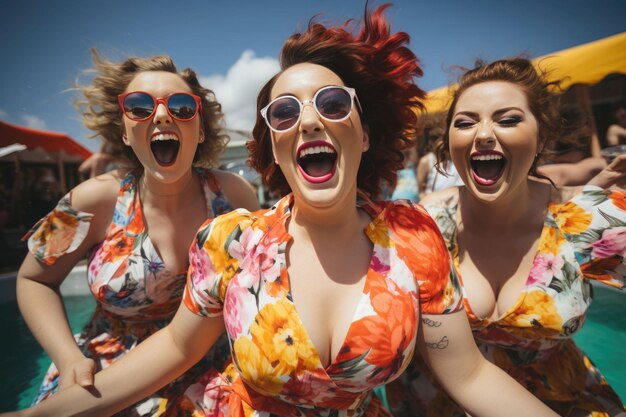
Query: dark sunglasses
333, 103
140, 105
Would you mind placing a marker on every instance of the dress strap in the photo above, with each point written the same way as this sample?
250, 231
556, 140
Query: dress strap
216, 202
128, 212
372, 208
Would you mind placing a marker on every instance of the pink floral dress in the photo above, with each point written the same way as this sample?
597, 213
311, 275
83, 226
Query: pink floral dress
136, 293
582, 240
238, 270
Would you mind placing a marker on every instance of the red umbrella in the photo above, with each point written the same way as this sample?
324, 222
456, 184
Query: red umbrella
51, 142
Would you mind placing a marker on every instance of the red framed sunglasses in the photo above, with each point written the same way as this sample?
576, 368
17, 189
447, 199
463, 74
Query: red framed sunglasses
141, 105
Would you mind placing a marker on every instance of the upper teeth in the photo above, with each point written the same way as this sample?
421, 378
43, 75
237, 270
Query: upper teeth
316, 149
489, 157
164, 136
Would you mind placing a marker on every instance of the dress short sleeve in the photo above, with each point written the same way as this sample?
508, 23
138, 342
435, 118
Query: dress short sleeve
420, 244
60, 232
594, 222
214, 258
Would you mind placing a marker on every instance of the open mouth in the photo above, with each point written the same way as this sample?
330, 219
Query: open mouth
317, 161
487, 168
164, 147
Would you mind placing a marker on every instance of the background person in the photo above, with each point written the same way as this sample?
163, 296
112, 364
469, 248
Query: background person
616, 134
433, 175
572, 157
406, 186
44, 194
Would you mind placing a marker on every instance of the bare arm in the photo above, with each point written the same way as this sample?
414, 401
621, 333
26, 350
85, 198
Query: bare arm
151, 365
38, 285
573, 174
422, 173
481, 388
42, 307
237, 190
614, 133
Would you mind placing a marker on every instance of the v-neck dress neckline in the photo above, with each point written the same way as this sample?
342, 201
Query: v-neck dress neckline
372, 211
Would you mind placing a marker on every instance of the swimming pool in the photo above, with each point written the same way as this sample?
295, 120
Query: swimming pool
24, 363
603, 337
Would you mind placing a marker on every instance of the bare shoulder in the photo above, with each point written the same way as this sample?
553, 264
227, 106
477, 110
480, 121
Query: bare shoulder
237, 190
423, 165
97, 195
561, 195
424, 161
446, 197
229, 179
613, 133
616, 129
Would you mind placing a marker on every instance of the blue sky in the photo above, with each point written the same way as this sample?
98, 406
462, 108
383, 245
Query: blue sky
233, 44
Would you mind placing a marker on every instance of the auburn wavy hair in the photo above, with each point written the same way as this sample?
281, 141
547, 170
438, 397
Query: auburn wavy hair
101, 112
380, 67
533, 81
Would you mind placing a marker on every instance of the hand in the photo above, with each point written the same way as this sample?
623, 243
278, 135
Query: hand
613, 175
79, 372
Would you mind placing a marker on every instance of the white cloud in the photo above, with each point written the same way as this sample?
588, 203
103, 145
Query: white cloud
4, 114
238, 89
33, 121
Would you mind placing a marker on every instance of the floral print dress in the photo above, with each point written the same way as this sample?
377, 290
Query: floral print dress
135, 292
238, 270
582, 240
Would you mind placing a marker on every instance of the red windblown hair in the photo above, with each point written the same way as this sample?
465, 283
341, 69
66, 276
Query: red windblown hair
380, 67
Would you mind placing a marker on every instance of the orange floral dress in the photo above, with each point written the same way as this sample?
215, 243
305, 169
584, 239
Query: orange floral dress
582, 240
238, 270
136, 294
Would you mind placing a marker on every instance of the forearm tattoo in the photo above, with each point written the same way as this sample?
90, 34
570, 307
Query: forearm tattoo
441, 344
430, 323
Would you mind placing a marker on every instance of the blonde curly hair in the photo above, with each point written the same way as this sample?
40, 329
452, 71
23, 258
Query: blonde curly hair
101, 112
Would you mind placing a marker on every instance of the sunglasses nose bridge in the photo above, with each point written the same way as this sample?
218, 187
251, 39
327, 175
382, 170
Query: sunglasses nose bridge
303, 106
161, 113
310, 120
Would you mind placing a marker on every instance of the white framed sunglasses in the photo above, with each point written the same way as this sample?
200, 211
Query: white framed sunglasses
332, 103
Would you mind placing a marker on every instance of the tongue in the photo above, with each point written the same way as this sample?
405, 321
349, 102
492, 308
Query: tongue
318, 168
318, 165
488, 169
165, 151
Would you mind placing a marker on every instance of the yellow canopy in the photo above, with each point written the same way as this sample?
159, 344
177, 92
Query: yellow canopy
584, 64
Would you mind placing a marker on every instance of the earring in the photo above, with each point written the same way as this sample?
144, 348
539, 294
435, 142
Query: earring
201, 139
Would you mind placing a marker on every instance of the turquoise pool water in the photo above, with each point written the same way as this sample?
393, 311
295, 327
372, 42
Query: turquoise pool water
603, 337
23, 363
